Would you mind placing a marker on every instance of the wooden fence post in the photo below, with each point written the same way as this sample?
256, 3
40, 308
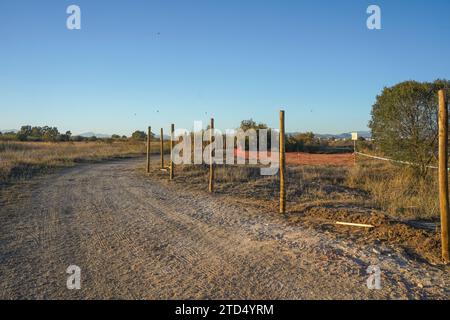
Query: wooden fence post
148, 148
443, 174
161, 148
172, 129
282, 165
211, 164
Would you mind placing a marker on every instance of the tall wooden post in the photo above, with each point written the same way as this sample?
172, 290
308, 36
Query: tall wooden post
161, 147
148, 148
443, 174
211, 154
282, 165
172, 129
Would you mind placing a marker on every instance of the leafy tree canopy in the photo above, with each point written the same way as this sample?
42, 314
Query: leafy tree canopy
404, 121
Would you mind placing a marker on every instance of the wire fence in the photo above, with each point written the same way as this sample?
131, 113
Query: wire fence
392, 160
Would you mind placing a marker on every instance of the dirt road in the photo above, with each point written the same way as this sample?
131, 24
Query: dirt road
135, 238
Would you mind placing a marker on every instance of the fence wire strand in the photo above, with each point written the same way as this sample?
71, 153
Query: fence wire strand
392, 160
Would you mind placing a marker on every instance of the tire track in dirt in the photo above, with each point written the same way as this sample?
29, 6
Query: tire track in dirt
135, 238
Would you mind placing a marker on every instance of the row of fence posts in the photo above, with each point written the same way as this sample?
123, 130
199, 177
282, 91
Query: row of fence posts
282, 159
443, 167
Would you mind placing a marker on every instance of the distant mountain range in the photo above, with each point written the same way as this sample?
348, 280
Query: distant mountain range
86, 134
345, 135
93, 134
9, 130
103, 136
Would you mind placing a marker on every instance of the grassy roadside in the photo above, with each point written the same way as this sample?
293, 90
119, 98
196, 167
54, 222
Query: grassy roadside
392, 189
380, 194
21, 160
397, 189
388, 197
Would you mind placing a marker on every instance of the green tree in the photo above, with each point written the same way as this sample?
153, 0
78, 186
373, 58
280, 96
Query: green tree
24, 133
36, 133
251, 124
404, 121
50, 133
301, 142
139, 135
65, 137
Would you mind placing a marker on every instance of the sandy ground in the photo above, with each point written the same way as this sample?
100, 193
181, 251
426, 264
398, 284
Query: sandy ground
136, 238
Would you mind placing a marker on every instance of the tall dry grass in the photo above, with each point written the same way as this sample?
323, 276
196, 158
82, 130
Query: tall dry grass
23, 159
397, 189
304, 183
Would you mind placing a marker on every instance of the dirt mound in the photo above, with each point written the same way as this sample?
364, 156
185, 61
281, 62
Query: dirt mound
418, 243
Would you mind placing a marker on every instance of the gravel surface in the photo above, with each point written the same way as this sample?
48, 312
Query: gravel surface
137, 238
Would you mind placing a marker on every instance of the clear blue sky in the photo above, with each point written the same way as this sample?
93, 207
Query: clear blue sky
234, 59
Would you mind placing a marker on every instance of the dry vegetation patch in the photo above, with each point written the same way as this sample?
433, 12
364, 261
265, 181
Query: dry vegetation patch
23, 159
419, 244
397, 189
383, 195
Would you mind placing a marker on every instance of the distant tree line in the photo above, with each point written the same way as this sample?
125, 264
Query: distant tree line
45, 133
301, 142
52, 134
309, 142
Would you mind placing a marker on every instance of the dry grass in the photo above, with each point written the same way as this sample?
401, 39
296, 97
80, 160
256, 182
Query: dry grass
24, 159
383, 195
305, 184
394, 190
397, 190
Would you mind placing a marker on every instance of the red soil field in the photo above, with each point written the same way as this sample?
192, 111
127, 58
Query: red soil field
303, 158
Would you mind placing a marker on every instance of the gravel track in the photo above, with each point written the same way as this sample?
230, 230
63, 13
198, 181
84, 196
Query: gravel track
135, 238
